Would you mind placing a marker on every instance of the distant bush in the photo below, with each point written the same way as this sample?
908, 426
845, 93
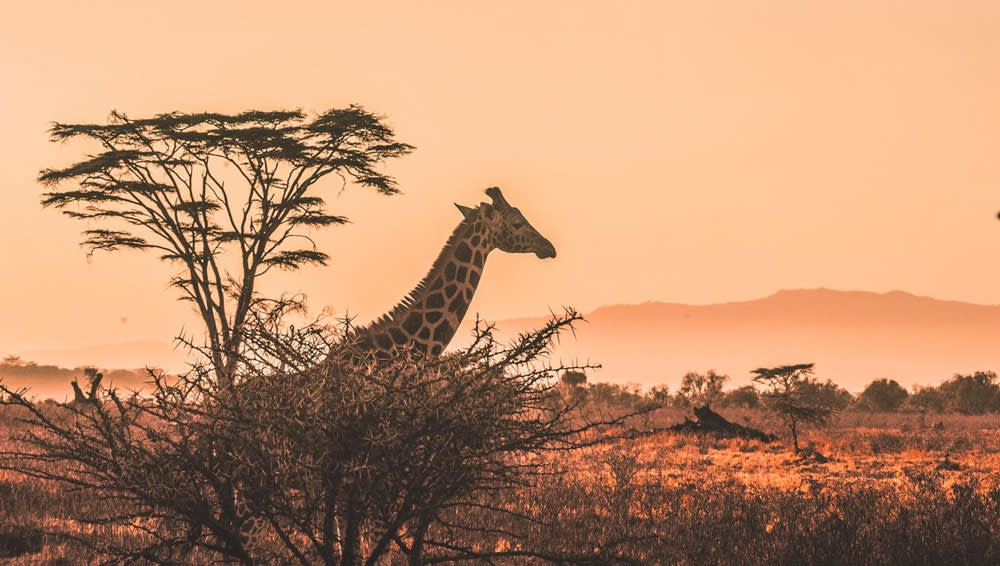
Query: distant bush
883, 395
614, 395
972, 394
659, 395
929, 399
701, 389
745, 397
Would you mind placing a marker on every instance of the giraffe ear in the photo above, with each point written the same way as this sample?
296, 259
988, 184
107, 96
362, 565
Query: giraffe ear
466, 211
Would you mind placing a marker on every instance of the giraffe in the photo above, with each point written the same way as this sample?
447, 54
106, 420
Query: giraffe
428, 317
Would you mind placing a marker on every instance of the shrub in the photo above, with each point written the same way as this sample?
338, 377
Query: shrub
972, 394
883, 395
745, 397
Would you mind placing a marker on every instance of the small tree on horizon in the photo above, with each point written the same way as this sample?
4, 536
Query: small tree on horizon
797, 397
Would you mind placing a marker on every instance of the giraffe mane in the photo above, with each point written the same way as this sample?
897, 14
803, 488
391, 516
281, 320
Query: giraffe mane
407, 301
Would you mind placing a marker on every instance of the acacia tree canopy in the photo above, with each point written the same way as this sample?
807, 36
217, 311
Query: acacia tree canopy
195, 187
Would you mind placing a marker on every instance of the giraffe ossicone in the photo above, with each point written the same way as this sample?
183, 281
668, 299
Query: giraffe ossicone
429, 316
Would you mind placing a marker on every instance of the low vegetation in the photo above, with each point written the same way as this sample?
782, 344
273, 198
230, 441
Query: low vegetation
885, 498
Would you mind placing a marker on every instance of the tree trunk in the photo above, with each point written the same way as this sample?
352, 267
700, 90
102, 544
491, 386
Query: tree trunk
416, 557
351, 541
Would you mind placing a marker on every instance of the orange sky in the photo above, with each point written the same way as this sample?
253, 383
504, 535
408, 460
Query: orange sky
688, 151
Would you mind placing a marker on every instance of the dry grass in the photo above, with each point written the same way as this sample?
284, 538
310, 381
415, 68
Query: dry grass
881, 499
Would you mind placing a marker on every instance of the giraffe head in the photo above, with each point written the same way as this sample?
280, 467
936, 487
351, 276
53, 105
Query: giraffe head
507, 228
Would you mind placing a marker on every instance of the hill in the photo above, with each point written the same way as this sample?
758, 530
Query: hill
852, 336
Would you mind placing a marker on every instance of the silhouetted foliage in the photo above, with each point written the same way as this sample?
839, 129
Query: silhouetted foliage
613, 395
927, 399
339, 461
161, 184
745, 397
883, 395
573, 378
797, 398
971, 394
659, 395
701, 389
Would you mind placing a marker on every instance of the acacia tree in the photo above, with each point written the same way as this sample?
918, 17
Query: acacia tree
226, 198
797, 397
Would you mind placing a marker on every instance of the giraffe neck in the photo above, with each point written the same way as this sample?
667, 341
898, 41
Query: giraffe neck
428, 317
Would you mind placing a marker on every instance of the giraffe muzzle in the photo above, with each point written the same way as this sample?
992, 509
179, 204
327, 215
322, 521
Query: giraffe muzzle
545, 250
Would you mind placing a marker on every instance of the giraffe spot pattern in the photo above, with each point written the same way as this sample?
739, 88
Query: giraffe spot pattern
458, 306
462, 272
443, 332
433, 317
463, 252
413, 322
450, 290
397, 335
449, 271
435, 301
474, 277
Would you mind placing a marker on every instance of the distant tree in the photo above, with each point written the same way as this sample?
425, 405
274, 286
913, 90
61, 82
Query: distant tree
972, 394
833, 395
883, 395
927, 399
225, 197
614, 395
659, 395
797, 398
746, 397
701, 390
573, 378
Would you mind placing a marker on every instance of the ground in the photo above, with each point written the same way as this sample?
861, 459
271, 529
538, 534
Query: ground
898, 489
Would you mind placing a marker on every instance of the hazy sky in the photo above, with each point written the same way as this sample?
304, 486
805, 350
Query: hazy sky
689, 151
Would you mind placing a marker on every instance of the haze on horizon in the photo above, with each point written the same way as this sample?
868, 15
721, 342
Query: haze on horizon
672, 151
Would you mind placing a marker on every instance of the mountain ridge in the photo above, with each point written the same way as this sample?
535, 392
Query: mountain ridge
852, 336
